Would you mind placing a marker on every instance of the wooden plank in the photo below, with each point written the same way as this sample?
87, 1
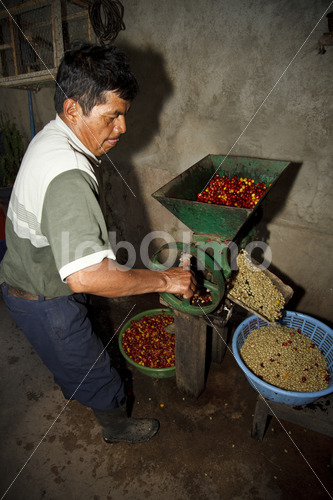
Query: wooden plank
259, 423
3, 58
64, 18
191, 340
81, 3
217, 332
316, 416
29, 79
89, 28
58, 42
25, 7
13, 36
219, 336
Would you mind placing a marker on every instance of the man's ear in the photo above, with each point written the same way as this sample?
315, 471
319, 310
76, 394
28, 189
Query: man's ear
71, 110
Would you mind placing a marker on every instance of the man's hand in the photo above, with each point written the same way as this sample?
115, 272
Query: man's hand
110, 279
180, 281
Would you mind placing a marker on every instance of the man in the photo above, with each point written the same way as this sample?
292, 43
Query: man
58, 248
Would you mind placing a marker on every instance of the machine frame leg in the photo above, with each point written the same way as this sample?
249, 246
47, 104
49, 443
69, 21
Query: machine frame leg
191, 340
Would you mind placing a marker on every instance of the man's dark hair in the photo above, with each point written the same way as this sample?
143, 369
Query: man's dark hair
86, 73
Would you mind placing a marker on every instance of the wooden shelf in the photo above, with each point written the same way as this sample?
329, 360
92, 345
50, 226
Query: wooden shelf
325, 41
33, 37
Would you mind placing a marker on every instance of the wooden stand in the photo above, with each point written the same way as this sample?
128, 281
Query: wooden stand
191, 349
192, 344
191, 338
317, 416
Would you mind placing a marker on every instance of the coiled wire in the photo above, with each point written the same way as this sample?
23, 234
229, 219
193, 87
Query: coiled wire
106, 17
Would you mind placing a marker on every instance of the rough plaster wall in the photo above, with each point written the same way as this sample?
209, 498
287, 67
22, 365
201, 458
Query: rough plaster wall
226, 77
230, 83
15, 104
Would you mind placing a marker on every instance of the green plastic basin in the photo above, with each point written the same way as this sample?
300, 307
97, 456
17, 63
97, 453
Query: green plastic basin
150, 372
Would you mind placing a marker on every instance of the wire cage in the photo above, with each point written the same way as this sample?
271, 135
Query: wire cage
34, 35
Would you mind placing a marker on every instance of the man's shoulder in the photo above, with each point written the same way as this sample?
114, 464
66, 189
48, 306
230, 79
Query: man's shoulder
50, 155
51, 137
57, 146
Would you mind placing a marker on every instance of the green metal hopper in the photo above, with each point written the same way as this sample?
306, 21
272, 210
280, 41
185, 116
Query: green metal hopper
208, 221
216, 224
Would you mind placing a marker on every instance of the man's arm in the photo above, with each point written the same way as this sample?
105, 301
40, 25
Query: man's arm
110, 279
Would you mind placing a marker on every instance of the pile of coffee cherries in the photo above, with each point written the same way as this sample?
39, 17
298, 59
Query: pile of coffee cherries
201, 297
147, 343
235, 192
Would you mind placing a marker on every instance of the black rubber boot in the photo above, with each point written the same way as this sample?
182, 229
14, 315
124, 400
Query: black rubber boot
119, 428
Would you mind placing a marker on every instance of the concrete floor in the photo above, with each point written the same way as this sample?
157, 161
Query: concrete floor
52, 449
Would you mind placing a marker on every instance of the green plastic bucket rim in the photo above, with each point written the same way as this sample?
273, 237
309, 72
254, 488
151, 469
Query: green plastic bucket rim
147, 370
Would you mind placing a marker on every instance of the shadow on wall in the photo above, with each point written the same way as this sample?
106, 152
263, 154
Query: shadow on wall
270, 208
125, 208
275, 199
256, 226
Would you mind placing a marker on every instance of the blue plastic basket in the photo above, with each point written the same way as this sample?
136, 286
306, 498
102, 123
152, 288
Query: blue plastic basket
321, 334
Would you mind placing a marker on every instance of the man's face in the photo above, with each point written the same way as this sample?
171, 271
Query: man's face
101, 129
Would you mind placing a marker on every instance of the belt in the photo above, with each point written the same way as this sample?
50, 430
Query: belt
22, 294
